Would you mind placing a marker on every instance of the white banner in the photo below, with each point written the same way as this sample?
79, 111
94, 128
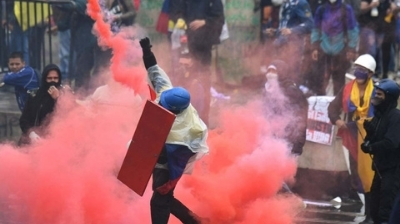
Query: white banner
319, 127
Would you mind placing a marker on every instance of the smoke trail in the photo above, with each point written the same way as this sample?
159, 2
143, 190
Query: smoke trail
126, 52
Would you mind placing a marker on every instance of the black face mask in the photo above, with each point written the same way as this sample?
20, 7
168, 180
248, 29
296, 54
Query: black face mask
49, 84
380, 104
376, 101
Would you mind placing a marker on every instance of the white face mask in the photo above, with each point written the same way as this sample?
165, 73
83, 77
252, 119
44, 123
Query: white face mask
272, 83
277, 2
272, 76
332, 1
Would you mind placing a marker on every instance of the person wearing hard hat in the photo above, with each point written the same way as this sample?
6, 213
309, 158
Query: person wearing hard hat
354, 100
383, 143
185, 143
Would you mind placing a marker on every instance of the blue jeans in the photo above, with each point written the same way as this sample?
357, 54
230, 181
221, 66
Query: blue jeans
371, 41
64, 38
30, 42
20, 41
371, 44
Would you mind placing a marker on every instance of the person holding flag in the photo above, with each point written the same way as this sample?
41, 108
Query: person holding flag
354, 100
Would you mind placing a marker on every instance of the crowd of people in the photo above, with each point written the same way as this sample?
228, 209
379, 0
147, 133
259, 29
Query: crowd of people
309, 42
323, 34
24, 26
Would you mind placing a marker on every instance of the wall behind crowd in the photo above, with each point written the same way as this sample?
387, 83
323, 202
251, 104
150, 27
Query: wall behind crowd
239, 49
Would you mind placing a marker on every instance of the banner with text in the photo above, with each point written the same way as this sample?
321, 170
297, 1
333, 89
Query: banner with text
319, 127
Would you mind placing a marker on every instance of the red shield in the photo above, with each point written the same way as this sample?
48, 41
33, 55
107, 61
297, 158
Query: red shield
147, 142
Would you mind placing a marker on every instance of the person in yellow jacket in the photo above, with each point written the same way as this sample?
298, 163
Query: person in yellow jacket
28, 27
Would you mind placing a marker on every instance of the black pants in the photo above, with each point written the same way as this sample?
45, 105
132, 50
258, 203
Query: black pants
88, 59
163, 205
388, 41
383, 194
395, 216
36, 46
331, 65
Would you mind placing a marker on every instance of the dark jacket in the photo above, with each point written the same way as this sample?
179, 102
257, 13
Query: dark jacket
335, 108
40, 106
383, 134
212, 11
81, 25
296, 105
126, 10
377, 23
62, 17
295, 15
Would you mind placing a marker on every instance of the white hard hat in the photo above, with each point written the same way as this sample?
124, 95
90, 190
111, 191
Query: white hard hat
366, 61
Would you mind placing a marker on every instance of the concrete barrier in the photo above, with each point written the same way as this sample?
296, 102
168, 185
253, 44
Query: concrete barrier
323, 167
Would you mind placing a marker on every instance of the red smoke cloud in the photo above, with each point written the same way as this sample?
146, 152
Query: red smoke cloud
70, 175
238, 181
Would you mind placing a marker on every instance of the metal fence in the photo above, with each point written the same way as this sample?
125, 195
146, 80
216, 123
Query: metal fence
27, 26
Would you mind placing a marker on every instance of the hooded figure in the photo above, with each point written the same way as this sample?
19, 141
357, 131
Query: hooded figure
383, 143
284, 99
34, 116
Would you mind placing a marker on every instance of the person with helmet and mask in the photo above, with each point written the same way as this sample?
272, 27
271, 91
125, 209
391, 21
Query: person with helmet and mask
35, 116
354, 100
185, 143
383, 143
334, 39
286, 102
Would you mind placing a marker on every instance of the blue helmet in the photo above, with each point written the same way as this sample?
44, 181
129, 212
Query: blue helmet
175, 100
390, 88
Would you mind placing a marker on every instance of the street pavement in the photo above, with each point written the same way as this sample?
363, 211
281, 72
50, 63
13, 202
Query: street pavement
348, 213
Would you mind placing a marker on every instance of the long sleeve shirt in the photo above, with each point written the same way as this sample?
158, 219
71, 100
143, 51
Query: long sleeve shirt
24, 80
335, 28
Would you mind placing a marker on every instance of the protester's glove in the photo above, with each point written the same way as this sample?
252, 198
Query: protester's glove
145, 44
366, 147
33, 136
148, 57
